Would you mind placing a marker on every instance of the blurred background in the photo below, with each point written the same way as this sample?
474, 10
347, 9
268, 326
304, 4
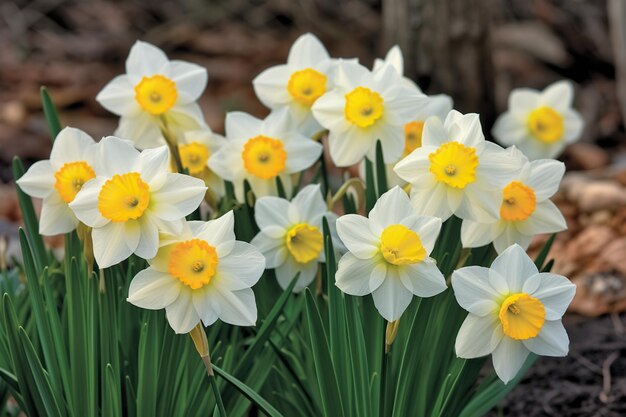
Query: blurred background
474, 50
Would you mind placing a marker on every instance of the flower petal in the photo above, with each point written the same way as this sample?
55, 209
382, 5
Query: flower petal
145, 59
307, 205
354, 231
547, 218
423, 279
241, 268
236, 307
478, 336
552, 340
554, 291
545, 177
359, 276
272, 248
516, 266
72, 145
85, 204
112, 244
190, 79
179, 196
56, 216
38, 181
473, 290
288, 270
118, 96
153, 290
240, 125
508, 358
181, 314
391, 298
391, 208
307, 51
271, 211
149, 238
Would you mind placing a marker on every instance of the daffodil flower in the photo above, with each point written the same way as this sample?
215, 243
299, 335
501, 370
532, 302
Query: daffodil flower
388, 255
456, 171
525, 210
201, 274
58, 180
365, 107
132, 195
513, 310
542, 123
290, 235
261, 150
154, 93
195, 148
297, 84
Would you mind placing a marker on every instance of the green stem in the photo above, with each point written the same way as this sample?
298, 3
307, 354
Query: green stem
382, 402
172, 144
218, 396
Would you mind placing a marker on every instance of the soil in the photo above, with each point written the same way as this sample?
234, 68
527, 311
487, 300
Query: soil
590, 382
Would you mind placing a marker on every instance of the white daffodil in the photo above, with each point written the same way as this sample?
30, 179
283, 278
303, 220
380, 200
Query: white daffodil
203, 274
525, 210
154, 93
436, 106
290, 235
261, 150
365, 107
195, 148
456, 171
298, 83
132, 195
388, 254
513, 310
58, 180
542, 123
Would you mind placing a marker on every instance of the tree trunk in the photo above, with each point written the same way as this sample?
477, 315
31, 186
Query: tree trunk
447, 49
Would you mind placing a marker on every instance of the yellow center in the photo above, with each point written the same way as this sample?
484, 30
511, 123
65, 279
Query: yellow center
518, 202
193, 262
194, 157
156, 94
546, 124
306, 86
522, 316
401, 245
304, 242
70, 179
264, 157
412, 136
124, 197
363, 107
454, 164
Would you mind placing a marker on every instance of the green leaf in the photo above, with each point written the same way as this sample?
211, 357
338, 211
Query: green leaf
381, 170
261, 403
543, 254
49, 110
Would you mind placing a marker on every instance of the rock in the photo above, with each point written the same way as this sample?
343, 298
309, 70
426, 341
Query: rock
585, 156
598, 195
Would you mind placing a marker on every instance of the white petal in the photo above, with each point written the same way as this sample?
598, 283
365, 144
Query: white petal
110, 245
307, 51
153, 290
554, 291
510, 235
523, 100
142, 129
508, 358
191, 80
85, 204
431, 201
559, 95
349, 147
241, 268
414, 168
438, 105
236, 307
288, 270
475, 235
329, 111
359, 276
181, 314
395, 59
473, 290
574, 125
204, 306
271, 211
301, 153
179, 196
498, 166
240, 125
154, 165
219, 231
273, 249
546, 218
118, 96
354, 231
478, 336
38, 181
56, 216
115, 156
307, 205
464, 128
510, 129
545, 177
145, 59
391, 208
552, 340
434, 133
479, 204
516, 266
423, 279
149, 238
391, 298
72, 145
270, 86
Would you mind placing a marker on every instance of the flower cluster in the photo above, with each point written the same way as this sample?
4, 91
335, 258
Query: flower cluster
134, 193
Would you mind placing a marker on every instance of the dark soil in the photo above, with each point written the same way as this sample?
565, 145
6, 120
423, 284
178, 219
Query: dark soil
590, 382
